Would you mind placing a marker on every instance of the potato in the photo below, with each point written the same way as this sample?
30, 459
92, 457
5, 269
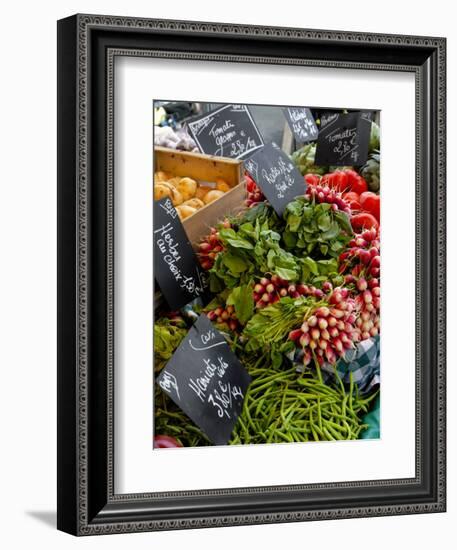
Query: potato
212, 196
187, 187
222, 185
176, 197
161, 176
194, 203
174, 181
161, 191
202, 190
184, 211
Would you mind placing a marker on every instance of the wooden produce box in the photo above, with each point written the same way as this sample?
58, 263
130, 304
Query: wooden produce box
205, 169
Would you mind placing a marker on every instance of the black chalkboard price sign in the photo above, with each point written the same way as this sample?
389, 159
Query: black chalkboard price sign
343, 139
302, 124
207, 381
276, 175
229, 131
176, 268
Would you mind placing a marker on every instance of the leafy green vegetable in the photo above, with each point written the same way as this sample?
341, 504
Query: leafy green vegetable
315, 229
242, 299
266, 329
168, 334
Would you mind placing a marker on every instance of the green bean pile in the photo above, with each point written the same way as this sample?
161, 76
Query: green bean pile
286, 406
280, 406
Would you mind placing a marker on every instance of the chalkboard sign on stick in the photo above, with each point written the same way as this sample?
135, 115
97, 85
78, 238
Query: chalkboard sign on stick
343, 139
276, 175
207, 381
176, 268
229, 131
302, 124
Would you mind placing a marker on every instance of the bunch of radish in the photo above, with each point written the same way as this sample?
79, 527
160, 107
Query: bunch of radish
210, 246
225, 317
324, 193
363, 255
327, 331
254, 193
269, 290
368, 303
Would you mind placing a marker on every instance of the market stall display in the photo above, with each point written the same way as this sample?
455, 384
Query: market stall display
296, 294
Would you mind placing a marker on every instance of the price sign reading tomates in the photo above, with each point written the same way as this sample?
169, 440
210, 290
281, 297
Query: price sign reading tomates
229, 131
207, 381
343, 139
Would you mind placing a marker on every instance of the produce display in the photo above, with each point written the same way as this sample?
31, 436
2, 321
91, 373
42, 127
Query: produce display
297, 297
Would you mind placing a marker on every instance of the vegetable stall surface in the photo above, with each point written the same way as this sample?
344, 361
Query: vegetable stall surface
294, 295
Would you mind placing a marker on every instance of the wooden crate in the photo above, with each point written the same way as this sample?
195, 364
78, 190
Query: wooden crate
205, 168
198, 166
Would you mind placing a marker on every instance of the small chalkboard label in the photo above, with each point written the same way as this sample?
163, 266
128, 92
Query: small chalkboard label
276, 175
229, 131
302, 124
176, 268
207, 381
343, 139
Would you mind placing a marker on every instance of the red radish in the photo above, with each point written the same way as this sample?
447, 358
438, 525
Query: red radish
323, 344
373, 282
322, 323
327, 286
376, 261
304, 340
312, 321
362, 284
166, 442
325, 334
332, 321
315, 334
322, 311
305, 327
233, 325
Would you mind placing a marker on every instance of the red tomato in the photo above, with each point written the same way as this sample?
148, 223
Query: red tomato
312, 179
165, 442
338, 180
359, 185
371, 203
352, 175
363, 221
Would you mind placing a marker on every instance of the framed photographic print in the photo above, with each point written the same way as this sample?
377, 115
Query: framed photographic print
231, 200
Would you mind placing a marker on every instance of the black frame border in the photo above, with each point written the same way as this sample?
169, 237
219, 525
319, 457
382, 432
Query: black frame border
87, 47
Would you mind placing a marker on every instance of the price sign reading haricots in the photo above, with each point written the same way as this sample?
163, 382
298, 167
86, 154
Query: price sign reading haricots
207, 381
229, 131
343, 139
276, 175
302, 124
176, 268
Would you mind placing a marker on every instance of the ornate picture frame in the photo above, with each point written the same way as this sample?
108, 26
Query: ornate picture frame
87, 48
